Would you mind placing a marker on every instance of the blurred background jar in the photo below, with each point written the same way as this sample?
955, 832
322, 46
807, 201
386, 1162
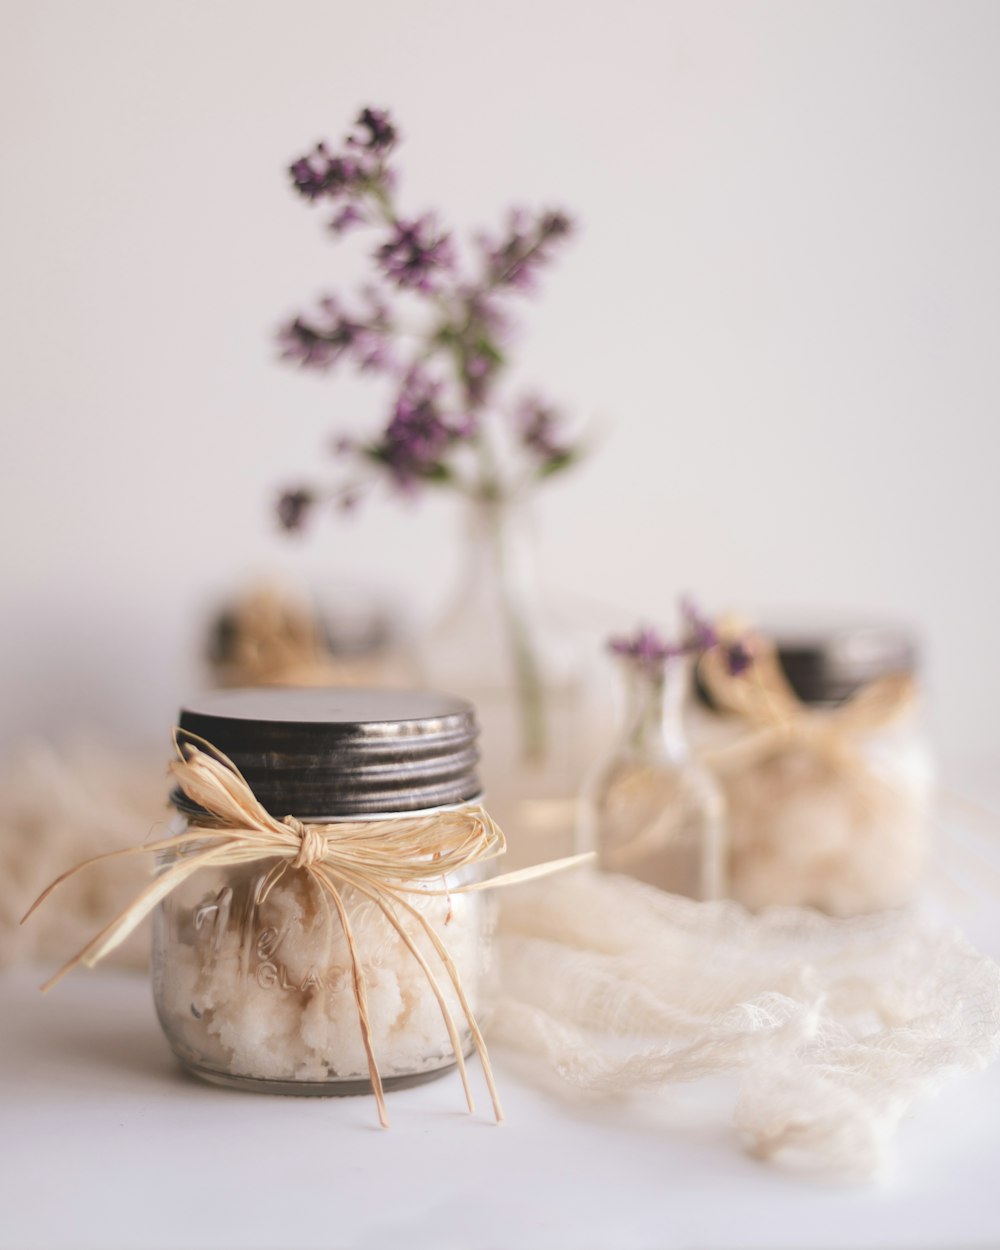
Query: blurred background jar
274, 633
820, 751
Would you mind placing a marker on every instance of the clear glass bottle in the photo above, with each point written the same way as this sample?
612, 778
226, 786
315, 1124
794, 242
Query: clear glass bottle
498, 646
653, 811
256, 991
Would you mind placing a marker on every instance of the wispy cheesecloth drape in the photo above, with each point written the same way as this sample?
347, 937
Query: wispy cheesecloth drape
833, 1027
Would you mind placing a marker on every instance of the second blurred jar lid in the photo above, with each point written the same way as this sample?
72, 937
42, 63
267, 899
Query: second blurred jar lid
828, 662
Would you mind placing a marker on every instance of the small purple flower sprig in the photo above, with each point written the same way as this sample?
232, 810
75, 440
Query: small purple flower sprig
434, 329
649, 651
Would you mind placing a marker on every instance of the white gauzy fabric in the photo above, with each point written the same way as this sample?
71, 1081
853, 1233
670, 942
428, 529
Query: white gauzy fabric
832, 1027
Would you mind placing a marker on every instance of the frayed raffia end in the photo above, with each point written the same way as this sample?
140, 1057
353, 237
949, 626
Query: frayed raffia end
383, 860
831, 1027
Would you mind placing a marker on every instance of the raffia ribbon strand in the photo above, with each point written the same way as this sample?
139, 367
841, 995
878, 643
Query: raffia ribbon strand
764, 700
385, 860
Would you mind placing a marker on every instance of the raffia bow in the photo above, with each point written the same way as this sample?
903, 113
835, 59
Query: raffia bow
384, 860
773, 713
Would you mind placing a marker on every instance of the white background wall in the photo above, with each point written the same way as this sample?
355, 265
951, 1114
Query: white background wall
783, 306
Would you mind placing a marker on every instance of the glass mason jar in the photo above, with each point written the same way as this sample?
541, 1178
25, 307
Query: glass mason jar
653, 811
828, 804
254, 988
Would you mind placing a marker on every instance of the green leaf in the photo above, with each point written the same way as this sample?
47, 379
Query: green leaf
486, 347
445, 335
556, 464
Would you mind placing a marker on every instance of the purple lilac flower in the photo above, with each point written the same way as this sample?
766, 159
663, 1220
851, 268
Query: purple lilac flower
739, 657
418, 436
514, 261
465, 331
540, 430
477, 374
348, 217
699, 632
320, 174
646, 648
701, 636
293, 508
378, 133
479, 365
483, 310
416, 253
321, 342
309, 345
650, 651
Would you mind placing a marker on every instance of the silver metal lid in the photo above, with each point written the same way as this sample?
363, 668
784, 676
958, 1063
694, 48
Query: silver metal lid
331, 751
827, 662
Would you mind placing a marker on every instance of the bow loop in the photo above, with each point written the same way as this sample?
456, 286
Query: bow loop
213, 782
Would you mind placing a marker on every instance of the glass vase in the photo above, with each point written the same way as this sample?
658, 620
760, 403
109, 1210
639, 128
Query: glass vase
652, 811
498, 646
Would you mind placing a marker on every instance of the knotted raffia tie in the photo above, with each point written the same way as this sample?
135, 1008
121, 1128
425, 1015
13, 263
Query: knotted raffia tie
383, 860
773, 713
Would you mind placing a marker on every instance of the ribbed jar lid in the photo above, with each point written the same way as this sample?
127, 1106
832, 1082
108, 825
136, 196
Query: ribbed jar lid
315, 752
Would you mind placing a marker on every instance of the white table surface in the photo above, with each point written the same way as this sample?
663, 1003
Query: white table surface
105, 1144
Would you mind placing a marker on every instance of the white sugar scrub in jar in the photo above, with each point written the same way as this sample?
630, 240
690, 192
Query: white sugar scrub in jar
254, 981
